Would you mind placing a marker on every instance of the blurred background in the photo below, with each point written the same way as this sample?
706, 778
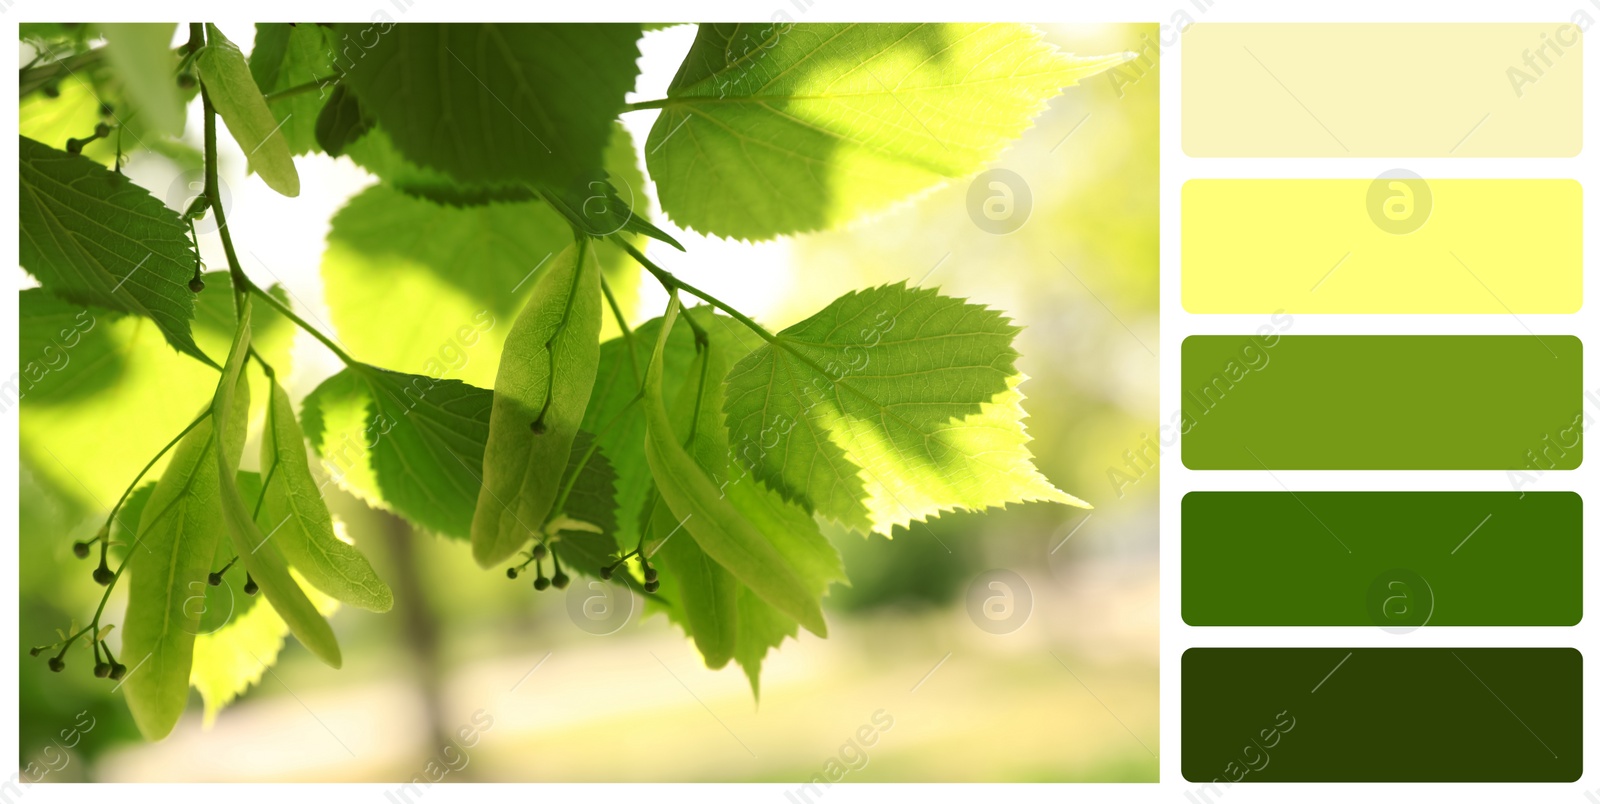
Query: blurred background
1068, 693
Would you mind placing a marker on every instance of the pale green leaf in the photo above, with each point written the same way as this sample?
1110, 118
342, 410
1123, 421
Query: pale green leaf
259, 557
616, 415
288, 55
139, 401
708, 517
294, 510
91, 236
542, 387
230, 660
237, 99
888, 406
142, 54
499, 102
403, 442
706, 592
392, 248
773, 128
178, 532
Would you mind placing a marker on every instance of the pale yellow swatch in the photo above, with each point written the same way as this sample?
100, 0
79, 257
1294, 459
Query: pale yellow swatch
1383, 89
1323, 246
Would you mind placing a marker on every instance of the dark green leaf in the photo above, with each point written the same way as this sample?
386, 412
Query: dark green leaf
499, 102
93, 237
285, 56
341, 121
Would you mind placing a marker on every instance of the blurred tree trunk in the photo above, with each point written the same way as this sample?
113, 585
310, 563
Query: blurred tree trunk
419, 627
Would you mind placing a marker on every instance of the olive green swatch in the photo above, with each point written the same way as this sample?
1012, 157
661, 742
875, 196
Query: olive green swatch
1512, 403
1380, 715
1399, 560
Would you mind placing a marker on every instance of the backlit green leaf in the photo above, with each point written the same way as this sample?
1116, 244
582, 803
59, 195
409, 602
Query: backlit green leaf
773, 128
258, 557
707, 516
303, 528
540, 392
704, 589
142, 54
341, 121
91, 236
286, 56
888, 406
238, 101
494, 103
589, 509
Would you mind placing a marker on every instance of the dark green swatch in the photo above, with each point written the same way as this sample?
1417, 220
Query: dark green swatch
1510, 402
1395, 559
1381, 715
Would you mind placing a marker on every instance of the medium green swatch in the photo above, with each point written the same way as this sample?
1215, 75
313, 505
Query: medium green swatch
1395, 559
1511, 403
1381, 715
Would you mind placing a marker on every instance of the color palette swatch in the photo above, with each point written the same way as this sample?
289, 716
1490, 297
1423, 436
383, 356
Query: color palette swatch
1502, 402
1390, 90
1483, 420
1382, 715
1388, 245
1400, 560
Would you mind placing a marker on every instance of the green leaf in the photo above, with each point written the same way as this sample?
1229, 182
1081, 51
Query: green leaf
135, 410
179, 529
231, 659
615, 414
775, 128
403, 442
708, 517
67, 351
293, 508
287, 55
589, 512
888, 406
393, 248
546, 374
258, 557
341, 121
238, 100
143, 56
706, 592
495, 102
91, 236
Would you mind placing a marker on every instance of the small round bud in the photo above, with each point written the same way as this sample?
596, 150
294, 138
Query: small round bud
197, 284
118, 670
52, 91
215, 579
102, 670
186, 80
74, 145
102, 130
80, 549
106, 109
56, 664
35, 651
650, 573
511, 572
103, 575
560, 581
539, 552
537, 427
541, 583
605, 573
651, 586
250, 586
